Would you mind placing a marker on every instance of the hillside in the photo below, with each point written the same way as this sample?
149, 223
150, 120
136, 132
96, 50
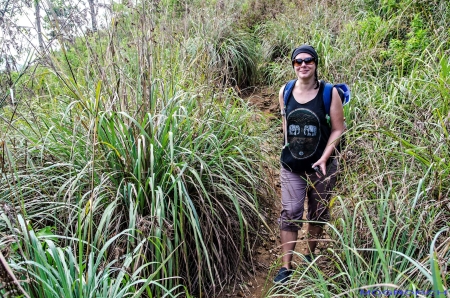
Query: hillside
139, 158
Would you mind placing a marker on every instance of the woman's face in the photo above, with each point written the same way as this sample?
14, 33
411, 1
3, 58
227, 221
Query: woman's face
307, 67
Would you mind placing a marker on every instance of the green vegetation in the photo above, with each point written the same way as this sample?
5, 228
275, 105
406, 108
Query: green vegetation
131, 166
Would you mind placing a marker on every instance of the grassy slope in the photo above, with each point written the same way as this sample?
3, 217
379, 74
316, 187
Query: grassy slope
391, 211
147, 147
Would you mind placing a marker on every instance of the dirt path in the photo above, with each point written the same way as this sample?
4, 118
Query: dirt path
268, 253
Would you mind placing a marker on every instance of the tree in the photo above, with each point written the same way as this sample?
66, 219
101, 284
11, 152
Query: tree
37, 15
64, 19
13, 36
93, 15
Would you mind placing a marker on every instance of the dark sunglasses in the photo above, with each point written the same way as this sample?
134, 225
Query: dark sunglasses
308, 61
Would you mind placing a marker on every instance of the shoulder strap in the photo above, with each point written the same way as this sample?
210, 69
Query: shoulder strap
327, 97
288, 91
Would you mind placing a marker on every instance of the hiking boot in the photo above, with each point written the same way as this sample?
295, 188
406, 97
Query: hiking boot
283, 275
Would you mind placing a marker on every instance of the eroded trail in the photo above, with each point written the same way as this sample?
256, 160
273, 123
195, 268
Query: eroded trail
267, 255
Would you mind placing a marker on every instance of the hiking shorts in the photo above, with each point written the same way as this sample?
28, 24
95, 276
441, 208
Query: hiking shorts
296, 187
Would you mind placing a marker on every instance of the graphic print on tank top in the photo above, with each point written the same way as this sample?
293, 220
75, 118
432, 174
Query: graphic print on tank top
303, 133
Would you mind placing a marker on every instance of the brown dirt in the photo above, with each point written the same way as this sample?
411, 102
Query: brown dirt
267, 257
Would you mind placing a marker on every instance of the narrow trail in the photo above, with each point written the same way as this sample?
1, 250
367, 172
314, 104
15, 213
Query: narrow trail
268, 253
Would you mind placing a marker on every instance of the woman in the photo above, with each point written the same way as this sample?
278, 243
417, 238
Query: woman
309, 143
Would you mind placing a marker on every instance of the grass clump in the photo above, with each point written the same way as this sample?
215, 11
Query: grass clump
130, 166
147, 178
184, 180
390, 230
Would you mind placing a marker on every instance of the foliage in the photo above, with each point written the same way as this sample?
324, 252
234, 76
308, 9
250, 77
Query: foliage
190, 196
401, 52
144, 162
390, 230
130, 166
63, 271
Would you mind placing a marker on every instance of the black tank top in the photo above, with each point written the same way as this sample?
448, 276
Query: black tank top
307, 133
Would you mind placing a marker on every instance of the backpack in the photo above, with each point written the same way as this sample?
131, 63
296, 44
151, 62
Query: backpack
343, 90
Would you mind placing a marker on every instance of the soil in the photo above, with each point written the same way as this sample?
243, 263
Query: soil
267, 257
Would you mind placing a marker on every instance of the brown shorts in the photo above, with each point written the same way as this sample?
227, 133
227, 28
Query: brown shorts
296, 187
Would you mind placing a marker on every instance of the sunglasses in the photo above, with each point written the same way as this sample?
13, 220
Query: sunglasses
308, 61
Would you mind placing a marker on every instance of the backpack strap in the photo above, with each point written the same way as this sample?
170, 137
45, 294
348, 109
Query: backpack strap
327, 97
287, 93
345, 96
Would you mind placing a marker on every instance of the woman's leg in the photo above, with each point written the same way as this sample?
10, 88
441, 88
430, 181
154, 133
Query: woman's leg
288, 241
293, 191
314, 233
319, 195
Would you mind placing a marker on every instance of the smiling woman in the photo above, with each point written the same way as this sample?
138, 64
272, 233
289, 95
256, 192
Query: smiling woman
309, 143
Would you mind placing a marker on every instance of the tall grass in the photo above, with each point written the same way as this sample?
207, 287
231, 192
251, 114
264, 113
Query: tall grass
63, 271
187, 175
144, 176
130, 166
187, 170
390, 230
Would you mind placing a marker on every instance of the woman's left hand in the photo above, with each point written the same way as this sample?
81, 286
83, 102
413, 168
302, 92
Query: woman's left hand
322, 164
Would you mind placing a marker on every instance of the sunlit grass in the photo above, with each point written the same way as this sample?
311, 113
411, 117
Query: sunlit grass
129, 167
390, 228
